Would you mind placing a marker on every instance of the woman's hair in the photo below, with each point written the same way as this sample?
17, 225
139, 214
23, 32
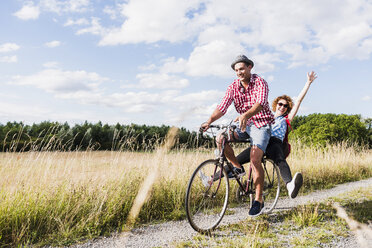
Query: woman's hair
285, 97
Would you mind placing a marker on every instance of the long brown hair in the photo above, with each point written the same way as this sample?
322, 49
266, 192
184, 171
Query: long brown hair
285, 97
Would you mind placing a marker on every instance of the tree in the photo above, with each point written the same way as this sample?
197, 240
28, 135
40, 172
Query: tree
330, 128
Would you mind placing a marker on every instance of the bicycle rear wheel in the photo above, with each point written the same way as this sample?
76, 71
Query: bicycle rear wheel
206, 199
271, 189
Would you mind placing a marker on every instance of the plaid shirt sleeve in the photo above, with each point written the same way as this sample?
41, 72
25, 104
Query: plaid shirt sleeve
262, 91
260, 95
226, 101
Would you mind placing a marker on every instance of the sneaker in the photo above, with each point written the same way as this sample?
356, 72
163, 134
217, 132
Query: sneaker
238, 171
294, 186
256, 209
206, 181
217, 175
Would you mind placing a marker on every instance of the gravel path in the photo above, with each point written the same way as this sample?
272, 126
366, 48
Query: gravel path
160, 235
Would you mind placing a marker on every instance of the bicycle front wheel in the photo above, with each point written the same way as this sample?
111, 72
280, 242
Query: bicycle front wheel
207, 196
271, 189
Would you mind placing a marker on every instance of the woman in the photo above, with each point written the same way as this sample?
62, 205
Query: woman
284, 109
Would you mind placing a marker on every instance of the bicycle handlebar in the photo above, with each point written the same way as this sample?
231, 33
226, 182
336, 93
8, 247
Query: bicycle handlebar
226, 127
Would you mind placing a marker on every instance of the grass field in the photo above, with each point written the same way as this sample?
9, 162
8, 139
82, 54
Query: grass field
63, 197
312, 225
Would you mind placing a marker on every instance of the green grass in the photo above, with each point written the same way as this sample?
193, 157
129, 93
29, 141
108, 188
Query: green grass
358, 204
62, 198
312, 225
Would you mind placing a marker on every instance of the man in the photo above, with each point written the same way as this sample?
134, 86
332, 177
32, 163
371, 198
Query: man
250, 96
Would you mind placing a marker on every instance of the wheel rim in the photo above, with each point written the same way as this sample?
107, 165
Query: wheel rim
205, 206
271, 189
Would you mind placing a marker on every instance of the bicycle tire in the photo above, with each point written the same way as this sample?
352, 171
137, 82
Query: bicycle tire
206, 205
271, 190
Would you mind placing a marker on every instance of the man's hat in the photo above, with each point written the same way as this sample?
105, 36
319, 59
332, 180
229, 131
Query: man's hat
241, 58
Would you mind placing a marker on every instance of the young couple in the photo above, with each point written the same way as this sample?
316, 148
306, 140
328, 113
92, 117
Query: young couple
266, 130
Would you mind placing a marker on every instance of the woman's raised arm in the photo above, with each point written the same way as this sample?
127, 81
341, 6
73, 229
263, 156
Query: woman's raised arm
310, 78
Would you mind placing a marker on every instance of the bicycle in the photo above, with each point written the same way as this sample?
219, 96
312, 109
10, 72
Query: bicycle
207, 193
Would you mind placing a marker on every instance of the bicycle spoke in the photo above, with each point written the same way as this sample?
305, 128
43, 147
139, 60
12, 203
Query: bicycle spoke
206, 200
271, 186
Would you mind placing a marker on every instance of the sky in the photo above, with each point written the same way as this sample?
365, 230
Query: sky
168, 62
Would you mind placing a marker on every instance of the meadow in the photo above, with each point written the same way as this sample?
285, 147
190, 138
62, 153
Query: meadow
59, 198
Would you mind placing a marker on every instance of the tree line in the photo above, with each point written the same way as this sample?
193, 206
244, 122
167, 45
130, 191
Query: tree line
318, 129
51, 136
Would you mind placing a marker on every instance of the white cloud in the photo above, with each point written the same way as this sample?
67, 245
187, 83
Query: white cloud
95, 28
62, 83
19, 111
28, 12
161, 81
210, 59
366, 98
60, 7
34, 113
113, 11
294, 33
198, 98
133, 102
8, 47
205, 60
151, 21
270, 78
8, 59
51, 64
194, 114
78, 22
52, 44
149, 67
192, 103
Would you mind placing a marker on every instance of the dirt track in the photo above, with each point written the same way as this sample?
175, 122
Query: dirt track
162, 235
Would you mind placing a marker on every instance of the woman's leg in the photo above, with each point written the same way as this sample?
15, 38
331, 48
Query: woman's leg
275, 152
244, 156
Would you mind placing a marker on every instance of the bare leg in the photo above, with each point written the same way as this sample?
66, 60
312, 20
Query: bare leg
229, 152
259, 174
230, 155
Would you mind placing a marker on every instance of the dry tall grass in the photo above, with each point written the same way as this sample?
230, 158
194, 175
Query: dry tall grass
65, 196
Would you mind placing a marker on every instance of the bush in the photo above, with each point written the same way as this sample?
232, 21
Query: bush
320, 129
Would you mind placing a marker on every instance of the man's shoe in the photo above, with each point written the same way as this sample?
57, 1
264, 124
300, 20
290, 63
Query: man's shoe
206, 180
256, 209
295, 185
217, 175
238, 171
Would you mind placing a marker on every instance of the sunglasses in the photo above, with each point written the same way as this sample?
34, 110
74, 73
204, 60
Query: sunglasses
284, 105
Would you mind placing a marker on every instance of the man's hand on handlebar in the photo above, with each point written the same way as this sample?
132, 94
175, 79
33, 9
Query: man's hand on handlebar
204, 127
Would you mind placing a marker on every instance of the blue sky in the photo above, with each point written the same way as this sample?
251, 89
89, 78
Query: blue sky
168, 62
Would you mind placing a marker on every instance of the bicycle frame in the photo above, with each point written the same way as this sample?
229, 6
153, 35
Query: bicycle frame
206, 199
222, 160
247, 189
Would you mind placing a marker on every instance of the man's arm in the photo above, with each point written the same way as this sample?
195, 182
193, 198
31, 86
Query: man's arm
220, 110
256, 108
215, 116
310, 78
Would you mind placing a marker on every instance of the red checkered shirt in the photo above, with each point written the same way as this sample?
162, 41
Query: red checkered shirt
257, 91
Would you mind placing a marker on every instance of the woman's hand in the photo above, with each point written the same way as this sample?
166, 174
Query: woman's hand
311, 77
